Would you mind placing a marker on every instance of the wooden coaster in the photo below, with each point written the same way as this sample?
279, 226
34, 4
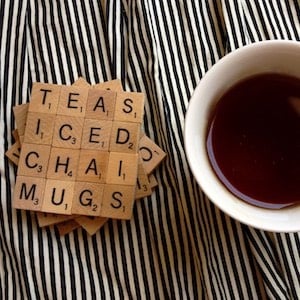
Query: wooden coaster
47, 219
81, 156
91, 224
67, 227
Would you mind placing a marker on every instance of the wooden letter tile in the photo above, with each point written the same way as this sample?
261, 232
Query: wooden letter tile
58, 196
47, 219
117, 201
81, 82
125, 137
91, 224
96, 134
143, 188
72, 101
63, 164
129, 107
67, 132
112, 85
39, 128
34, 160
122, 168
152, 180
87, 198
13, 153
92, 166
20, 114
151, 154
28, 193
67, 227
101, 104
44, 97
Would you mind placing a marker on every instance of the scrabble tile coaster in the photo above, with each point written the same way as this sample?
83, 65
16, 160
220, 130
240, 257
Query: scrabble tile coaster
60, 177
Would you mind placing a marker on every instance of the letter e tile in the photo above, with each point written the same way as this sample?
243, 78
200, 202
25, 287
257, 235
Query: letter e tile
72, 101
96, 134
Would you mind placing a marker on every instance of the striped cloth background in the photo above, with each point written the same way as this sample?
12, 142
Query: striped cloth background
178, 245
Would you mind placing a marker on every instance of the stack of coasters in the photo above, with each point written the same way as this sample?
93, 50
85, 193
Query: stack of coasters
81, 155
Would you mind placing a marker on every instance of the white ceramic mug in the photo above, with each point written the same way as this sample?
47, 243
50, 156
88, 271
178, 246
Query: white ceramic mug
263, 57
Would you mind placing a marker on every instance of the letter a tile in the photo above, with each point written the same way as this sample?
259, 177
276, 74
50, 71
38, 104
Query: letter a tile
100, 105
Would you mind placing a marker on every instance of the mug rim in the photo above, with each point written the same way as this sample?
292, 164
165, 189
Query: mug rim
277, 220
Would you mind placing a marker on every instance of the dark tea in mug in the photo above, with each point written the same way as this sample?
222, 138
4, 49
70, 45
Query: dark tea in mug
253, 140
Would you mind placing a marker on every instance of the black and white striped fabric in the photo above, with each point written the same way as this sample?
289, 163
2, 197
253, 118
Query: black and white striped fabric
178, 245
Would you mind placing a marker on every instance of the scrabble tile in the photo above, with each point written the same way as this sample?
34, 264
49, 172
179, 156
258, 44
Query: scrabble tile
96, 134
47, 219
20, 114
81, 82
91, 224
125, 137
67, 227
58, 196
101, 104
33, 160
112, 85
117, 201
39, 128
151, 154
92, 166
44, 98
63, 164
129, 107
72, 101
87, 198
67, 132
15, 135
28, 193
13, 153
152, 180
143, 187
122, 168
